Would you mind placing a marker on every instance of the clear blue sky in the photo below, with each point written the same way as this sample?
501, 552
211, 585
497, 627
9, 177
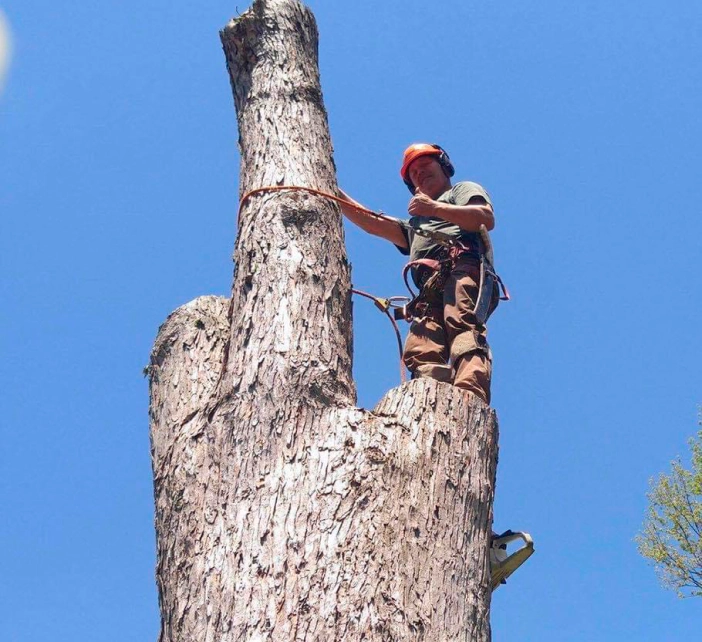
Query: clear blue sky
118, 193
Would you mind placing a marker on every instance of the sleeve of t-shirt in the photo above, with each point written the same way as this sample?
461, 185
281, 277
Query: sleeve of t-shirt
408, 233
462, 193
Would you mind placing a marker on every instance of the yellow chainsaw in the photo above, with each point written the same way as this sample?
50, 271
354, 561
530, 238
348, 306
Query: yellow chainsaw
503, 564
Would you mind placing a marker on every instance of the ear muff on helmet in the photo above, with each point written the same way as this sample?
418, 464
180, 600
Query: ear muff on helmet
445, 162
413, 152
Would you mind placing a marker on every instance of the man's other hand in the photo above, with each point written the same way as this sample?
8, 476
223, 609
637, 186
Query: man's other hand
421, 205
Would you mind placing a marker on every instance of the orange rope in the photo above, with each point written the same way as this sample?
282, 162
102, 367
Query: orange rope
309, 190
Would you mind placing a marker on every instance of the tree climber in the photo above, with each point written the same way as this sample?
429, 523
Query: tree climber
450, 259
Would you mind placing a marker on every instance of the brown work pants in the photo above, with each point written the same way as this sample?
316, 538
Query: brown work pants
449, 331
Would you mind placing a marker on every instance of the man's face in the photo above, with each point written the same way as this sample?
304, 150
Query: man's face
427, 174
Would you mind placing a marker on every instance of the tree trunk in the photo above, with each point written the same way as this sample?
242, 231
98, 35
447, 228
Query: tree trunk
284, 512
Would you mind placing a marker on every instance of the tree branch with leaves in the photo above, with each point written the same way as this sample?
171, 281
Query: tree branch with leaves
670, 538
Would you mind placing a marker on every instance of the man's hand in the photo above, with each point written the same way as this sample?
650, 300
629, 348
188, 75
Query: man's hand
421, 205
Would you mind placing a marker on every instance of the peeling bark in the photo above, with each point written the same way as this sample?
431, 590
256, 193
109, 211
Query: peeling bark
283, 511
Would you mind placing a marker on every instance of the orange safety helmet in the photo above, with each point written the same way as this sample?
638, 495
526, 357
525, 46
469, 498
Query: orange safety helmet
413, 152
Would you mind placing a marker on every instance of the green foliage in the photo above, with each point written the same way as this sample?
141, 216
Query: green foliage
671, 535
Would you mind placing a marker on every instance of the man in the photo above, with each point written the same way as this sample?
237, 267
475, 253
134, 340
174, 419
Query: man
447, 338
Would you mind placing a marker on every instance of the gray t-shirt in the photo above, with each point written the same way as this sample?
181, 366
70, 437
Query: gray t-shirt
420, 247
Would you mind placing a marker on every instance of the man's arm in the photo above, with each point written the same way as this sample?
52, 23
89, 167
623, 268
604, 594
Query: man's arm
387, 227
468, 217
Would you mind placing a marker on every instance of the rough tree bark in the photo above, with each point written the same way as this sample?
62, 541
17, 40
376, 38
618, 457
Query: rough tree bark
283, 511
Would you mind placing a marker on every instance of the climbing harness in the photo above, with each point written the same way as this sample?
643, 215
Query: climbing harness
453, 251
503, 565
